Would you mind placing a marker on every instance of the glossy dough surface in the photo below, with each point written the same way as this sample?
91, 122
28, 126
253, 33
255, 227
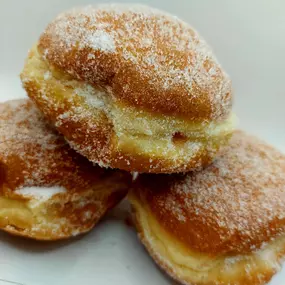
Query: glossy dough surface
131, 87
47, 190
222, 225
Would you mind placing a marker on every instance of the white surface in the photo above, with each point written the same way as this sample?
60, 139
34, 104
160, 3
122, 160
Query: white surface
248, 38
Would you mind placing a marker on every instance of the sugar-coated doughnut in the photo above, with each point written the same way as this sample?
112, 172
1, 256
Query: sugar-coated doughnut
222, 225
131, 87
47, 190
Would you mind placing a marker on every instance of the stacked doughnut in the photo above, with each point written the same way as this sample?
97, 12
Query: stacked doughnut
136, 89
48, 191
132, 88
222, 225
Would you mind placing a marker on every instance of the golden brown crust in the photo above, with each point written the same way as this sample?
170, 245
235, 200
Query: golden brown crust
232, 207
99, 130
252, 272
142, 56
34, 162
73, 217
259, 277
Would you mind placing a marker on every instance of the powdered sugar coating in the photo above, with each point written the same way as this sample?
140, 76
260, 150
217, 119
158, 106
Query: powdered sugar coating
33, 154
26, 138
116, 135
40, 193
141, 55
233, 206
46, 188
114, 64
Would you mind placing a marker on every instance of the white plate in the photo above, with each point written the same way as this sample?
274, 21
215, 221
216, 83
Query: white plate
248, 38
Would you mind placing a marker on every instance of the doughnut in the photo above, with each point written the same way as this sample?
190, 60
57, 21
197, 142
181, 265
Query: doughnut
131, 87
222, 225
47, 190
